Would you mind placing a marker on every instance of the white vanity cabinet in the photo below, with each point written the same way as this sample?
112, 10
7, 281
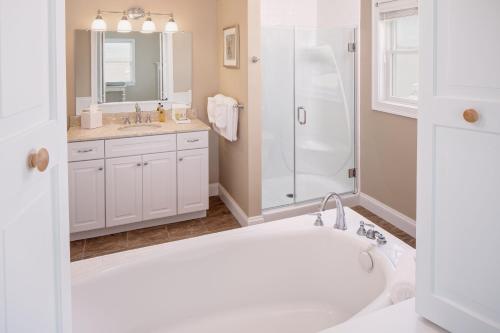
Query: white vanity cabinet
159, 185
138, 179
192, 179
123, 190
86, 195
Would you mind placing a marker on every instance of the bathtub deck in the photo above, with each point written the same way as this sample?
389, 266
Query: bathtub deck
218, 219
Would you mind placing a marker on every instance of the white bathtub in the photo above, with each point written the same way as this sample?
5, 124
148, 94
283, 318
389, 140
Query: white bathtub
286, 276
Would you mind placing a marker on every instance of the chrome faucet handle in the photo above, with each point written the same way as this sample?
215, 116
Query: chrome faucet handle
370, 234
361, 231
319, 220
126, 120
381, 240
148, 118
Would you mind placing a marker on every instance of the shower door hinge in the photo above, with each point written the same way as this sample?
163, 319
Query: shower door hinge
351, 47
352, 173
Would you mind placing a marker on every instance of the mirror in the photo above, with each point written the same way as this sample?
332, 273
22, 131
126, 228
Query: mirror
113, 68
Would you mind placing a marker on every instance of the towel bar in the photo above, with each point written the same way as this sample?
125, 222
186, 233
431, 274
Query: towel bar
240, 107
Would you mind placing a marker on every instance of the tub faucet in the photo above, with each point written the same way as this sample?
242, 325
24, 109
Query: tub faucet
138, 118
340, 222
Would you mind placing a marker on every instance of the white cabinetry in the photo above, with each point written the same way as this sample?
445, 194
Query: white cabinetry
123, 190
86, 195
159, 186
192, 180
122, 182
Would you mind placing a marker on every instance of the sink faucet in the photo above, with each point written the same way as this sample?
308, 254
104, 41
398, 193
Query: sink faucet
340, 222
138, 118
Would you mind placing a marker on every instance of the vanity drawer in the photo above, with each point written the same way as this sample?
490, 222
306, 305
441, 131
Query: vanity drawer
192, 140
85, 150
140, 146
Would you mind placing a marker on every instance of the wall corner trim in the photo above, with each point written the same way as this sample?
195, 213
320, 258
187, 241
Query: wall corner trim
389, 214
236, 210
213, 189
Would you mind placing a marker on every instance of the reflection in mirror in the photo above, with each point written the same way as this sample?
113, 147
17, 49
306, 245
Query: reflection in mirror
113, 68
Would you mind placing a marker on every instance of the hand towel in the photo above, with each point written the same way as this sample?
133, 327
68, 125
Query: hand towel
211, 109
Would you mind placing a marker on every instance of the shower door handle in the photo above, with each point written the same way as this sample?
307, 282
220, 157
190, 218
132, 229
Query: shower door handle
302, 119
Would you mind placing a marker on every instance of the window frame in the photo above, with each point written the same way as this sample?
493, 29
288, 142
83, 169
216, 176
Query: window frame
132, 62
382, 69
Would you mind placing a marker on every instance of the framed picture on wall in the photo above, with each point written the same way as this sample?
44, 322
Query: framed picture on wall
232, 47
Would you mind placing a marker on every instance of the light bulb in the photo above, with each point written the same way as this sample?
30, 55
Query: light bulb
148, 26
171, 26
124, 25
98, 24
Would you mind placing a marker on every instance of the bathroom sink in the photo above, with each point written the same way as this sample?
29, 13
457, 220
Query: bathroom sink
139, 127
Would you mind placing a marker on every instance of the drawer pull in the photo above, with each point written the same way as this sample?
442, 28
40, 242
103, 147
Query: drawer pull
146, 163
139, 164
84, 151
181, 159
193, 140
101, 169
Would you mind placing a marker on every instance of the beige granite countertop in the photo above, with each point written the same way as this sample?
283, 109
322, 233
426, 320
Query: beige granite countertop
113, 131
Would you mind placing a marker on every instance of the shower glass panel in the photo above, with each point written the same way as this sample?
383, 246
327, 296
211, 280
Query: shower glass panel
325, 118
308, 81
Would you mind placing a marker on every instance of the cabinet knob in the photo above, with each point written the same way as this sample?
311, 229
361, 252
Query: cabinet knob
139, 164
146, 163
101, 169
181, 159
39, 160
471, 116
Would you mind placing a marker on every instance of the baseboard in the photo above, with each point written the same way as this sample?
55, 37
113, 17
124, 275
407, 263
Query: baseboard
389, 214
213, 189
236, 210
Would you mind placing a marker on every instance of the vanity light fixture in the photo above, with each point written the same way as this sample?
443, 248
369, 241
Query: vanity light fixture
135, 13
171, 25
98, 24
148, 26
124, 25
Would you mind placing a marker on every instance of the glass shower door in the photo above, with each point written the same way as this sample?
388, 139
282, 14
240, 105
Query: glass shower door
324, 112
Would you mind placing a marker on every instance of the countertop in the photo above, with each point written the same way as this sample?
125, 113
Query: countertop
113, 131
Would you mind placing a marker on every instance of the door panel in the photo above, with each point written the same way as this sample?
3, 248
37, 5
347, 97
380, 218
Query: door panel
86, 195
325, 112
123, 190
34, 228
458, 165
159, 186
192, 180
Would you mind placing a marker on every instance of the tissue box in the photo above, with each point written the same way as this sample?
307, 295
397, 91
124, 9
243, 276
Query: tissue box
91, 119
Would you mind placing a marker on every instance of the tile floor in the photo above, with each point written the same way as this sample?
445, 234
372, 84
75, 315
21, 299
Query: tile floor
218, 219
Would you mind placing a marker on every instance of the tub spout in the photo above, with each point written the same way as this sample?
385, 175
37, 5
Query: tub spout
340, 221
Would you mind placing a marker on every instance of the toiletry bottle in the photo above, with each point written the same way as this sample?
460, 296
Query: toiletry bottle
162, 113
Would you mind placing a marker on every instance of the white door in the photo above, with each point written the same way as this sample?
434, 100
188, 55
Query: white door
123, 190
458, 270
192, 180
159, 186
86, 195
34, 228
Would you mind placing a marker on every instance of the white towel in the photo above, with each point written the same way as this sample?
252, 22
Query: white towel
211, 110
403, 286
223, 115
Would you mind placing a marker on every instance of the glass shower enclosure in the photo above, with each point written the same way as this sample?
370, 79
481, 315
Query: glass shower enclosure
309, 114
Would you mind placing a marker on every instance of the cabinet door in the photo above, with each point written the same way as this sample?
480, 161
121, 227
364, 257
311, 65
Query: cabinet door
123, 190
192, 180
159, 185
86, 195
458, 270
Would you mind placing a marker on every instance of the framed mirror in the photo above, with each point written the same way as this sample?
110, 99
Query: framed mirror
116, 69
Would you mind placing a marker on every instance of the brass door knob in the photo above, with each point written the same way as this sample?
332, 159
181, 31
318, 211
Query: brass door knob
39, 160
471, 116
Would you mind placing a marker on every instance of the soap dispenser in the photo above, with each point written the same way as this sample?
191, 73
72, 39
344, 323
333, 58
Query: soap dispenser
161, 113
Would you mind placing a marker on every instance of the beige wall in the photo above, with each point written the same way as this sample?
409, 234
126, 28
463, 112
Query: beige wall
388, 142
239, 161
198, 17
233, 156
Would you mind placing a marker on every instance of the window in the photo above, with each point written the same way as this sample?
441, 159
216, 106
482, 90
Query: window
395, 56
119, 61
